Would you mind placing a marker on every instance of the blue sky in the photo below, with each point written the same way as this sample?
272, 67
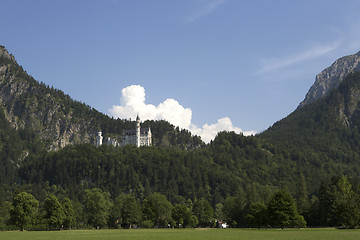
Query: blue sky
206, 65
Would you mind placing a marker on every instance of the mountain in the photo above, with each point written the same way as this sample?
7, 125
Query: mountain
329, 117
59, 120
317, 142
331, 77
54, 116
298, 153
15, 147
326, 132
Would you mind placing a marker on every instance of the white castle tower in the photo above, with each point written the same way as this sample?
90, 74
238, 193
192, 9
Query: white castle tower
99, 139
138, 136
137, 131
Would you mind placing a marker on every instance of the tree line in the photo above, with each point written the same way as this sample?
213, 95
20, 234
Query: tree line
99, 210
233, 172
337, 204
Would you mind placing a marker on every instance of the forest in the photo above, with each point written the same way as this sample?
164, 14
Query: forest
230, 177
336, 205
302, 171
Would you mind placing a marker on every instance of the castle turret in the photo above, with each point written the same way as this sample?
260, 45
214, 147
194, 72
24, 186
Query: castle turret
149, 141
137, 131
138, 136
99, 139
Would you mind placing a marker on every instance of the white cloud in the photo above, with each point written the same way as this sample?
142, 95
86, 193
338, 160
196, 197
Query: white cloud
346, 42
208, 132
133, 102
274, 64
205, 10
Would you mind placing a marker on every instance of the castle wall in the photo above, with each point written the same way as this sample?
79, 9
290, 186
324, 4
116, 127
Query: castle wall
138, 137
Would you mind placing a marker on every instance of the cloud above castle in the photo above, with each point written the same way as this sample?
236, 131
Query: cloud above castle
132, 102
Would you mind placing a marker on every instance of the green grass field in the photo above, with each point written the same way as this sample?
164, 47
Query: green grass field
179, 234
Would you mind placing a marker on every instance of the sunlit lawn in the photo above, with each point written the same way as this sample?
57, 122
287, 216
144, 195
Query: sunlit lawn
179, 234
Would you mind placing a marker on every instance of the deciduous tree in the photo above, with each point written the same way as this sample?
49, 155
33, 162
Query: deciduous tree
25, 207
281, 209
257, 215
97, 207
181, 215
69, 218
157, 209
204, 213
54, 213
126, 210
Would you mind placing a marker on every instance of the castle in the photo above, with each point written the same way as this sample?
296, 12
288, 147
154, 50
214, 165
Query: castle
138, 137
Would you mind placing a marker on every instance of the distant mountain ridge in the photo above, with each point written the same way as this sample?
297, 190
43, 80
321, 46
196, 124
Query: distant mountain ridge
331, 77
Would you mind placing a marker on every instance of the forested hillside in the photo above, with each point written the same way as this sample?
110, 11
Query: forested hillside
59, 120
230, 164
15, 146
236, 178
323, 137
309, 161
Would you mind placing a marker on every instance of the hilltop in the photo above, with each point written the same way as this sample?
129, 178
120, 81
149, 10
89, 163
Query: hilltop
59, 120
331, 77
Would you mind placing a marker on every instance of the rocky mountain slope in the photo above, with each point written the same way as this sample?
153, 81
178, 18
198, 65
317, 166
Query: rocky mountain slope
322, 138
58, 120
331, 77
330, 124
47, 111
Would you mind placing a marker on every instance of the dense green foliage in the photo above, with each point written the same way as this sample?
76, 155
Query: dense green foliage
337, 205
126, 211
323, 137
14, 147
281, 211
225, 168
97, 207
305, 165
98, 210
24, 210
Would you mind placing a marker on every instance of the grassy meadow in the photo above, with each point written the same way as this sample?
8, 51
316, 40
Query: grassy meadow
179, 234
